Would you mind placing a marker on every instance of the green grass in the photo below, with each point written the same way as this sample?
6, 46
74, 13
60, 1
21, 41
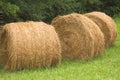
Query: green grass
104, 67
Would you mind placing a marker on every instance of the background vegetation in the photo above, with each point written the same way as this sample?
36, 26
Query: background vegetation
46, 10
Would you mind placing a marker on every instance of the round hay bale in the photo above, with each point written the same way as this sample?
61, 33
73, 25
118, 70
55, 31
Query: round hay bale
106, 24
79, 36
29, 45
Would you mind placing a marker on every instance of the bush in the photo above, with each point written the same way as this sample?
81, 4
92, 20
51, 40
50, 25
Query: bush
59, 7
9, 10
111, 7
46, 10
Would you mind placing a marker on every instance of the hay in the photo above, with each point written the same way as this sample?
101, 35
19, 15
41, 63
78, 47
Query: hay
29, 45
80, 37
107, 26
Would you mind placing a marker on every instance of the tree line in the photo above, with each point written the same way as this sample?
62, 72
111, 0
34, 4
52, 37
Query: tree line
46, 10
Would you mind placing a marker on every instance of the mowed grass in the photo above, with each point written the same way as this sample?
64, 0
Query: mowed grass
104, 67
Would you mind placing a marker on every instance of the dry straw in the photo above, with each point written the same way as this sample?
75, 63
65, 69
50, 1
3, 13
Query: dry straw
107, 26
80, 37
29, 45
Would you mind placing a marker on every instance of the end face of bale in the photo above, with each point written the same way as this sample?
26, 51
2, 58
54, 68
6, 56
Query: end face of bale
29, 45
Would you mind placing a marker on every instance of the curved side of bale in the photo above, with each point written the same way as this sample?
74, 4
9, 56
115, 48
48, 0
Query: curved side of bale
106, 24
99, 41
77, 40
29, 45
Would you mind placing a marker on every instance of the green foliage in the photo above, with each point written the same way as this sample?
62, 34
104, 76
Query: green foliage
46, 10
59, 7
91, 5
111, 7
9, 10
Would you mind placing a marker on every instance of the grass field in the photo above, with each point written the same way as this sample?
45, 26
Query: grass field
104, 67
